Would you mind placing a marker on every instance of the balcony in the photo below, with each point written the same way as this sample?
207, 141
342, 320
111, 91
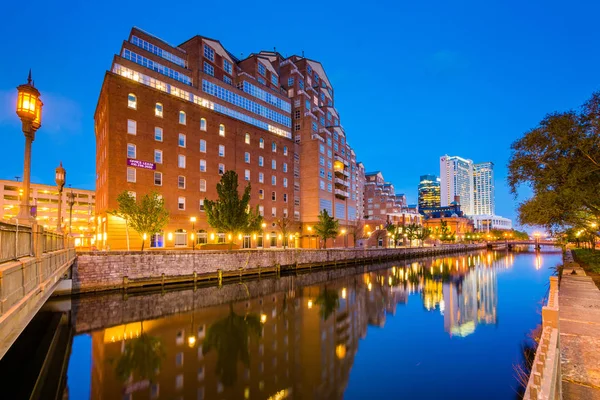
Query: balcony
308, 113
342, 194
317, 109
324, 130
341, 172
341, 182
340, 159
317, 137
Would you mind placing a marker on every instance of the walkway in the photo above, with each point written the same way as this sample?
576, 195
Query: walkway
579, 333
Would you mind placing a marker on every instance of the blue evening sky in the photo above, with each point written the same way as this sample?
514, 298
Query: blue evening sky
413, 80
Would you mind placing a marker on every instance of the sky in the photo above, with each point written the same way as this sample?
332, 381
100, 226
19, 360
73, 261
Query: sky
413, 80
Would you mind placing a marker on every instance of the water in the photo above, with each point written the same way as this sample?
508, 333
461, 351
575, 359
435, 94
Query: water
450, 328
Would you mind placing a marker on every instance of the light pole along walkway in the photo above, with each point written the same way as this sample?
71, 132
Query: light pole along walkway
579, 319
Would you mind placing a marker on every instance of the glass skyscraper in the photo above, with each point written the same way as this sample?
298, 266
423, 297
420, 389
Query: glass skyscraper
483, 189
429, 191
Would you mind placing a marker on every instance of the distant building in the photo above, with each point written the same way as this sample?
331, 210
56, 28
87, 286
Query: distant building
456, 179
486, 223
379, 197
483, 188
429, 191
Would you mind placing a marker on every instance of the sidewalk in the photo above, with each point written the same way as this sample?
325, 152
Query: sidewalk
579, 315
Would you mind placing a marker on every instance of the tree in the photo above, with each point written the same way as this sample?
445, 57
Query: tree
423, 234
229, 337
357, 230
231, 213
559, 160
147, 217
126, 208
394, 231
327, 227
284, 225
412, 230
445, 232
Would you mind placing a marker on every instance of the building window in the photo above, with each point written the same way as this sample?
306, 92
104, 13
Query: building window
285, 182
158, 110
227, 66
285, 151
261, 161
247, 138
220, 238
247, 158
181, 182
247, 174
273, 211
273, 164
130, 150
201, 237
274, 79
132, 101
158, 134
202, 124
261, 177
221, 150
209, 53
181, 161
182, 118
221, 169
131, 174
285, 197
209, 69
221, 130
284, 167
290, 81
321, 149
261, 211
274, 196
273, 244
262, 69
202, 165
273, 180
261, 194
158, 156
261, 143
157, 241
158, 178
274, 147
181, 203
321, 185
322, 161
181, 140
131, 127
203, 185
202, 146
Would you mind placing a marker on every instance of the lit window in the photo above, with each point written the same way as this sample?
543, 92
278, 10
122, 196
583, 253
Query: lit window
158, 178
131, 127
285, 150
247, 138
130, 174
158, 110
202, 146
202, 165
182, 117
273, 180
181, 182
247, 174
221, 150
261, 194
261, 143
247, 158
209, 53
273, 147
221, 169
181, 161
209, 69
130, 150
202, 124
181, 203
181, 140
261, 177
221, 130
203, 185
158, 134
261, 161
132, 101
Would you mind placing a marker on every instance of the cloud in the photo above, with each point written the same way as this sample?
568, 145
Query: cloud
60, 115
446, 63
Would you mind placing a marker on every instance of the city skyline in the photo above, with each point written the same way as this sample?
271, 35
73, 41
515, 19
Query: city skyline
439, 64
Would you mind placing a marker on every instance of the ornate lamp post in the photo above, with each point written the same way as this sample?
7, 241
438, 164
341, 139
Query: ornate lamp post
193, 221
70, 202
60, 178
29, 110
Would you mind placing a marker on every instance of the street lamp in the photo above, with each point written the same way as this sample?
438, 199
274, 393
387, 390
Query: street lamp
193, 221
70, 202
29, 110
61, 176
264, 225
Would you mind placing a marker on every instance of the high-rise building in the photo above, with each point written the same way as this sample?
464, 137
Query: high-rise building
483, 188
173, 119
429, 191
456, 179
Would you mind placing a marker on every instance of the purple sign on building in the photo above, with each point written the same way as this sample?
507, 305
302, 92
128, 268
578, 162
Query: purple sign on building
140, 164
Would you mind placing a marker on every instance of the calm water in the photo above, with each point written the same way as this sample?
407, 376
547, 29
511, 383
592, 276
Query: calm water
450, 328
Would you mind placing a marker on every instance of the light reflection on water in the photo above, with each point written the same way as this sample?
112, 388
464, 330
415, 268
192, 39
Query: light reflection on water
314, 336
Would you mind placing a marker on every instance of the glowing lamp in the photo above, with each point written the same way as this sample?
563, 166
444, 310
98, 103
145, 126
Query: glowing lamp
263, 318
310, 303
29, 105
170, 236
264, 225
191, 341
240, 236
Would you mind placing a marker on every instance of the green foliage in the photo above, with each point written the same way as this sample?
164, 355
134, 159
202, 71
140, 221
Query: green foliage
394, 232
423, 234
147, 216
559, 161
229, 337
327, 227
590, 259
328, 301
231, 213
412, 231
141, 358
445, 233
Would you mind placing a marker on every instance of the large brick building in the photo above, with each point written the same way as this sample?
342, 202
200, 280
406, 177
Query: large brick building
174, 118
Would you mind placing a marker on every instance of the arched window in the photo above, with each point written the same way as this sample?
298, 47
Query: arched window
247, 138
182, 117
261, 143
158, 110
132, 101
202, 124
221, 130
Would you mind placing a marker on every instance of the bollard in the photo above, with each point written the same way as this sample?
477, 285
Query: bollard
278, 270
195, 277
220, 276
162, 280
125, 282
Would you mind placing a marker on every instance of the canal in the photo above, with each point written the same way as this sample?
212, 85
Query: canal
448, 327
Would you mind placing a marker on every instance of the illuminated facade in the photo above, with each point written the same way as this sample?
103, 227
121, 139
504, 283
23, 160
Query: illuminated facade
429, 191
483, 188
456, 179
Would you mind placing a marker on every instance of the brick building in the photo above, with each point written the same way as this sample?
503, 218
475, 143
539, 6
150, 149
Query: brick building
173, 119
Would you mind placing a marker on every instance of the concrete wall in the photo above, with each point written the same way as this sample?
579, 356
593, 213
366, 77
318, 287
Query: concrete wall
106, 270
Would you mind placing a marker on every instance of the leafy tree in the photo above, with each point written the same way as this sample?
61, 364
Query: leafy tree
284, 224
328, 301
147, 216
229, 337
423, 234
445, 232
327, 227
126, 208
412, 231
357, 230
231, 213
559, 160
394, 232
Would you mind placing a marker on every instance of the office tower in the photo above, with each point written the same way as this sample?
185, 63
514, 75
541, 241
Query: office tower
429, 191
456, 179
483, 188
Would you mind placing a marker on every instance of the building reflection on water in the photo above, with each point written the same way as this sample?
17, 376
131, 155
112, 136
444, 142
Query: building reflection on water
296, 343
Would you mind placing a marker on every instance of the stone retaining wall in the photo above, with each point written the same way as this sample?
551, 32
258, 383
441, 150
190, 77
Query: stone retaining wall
95, 271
